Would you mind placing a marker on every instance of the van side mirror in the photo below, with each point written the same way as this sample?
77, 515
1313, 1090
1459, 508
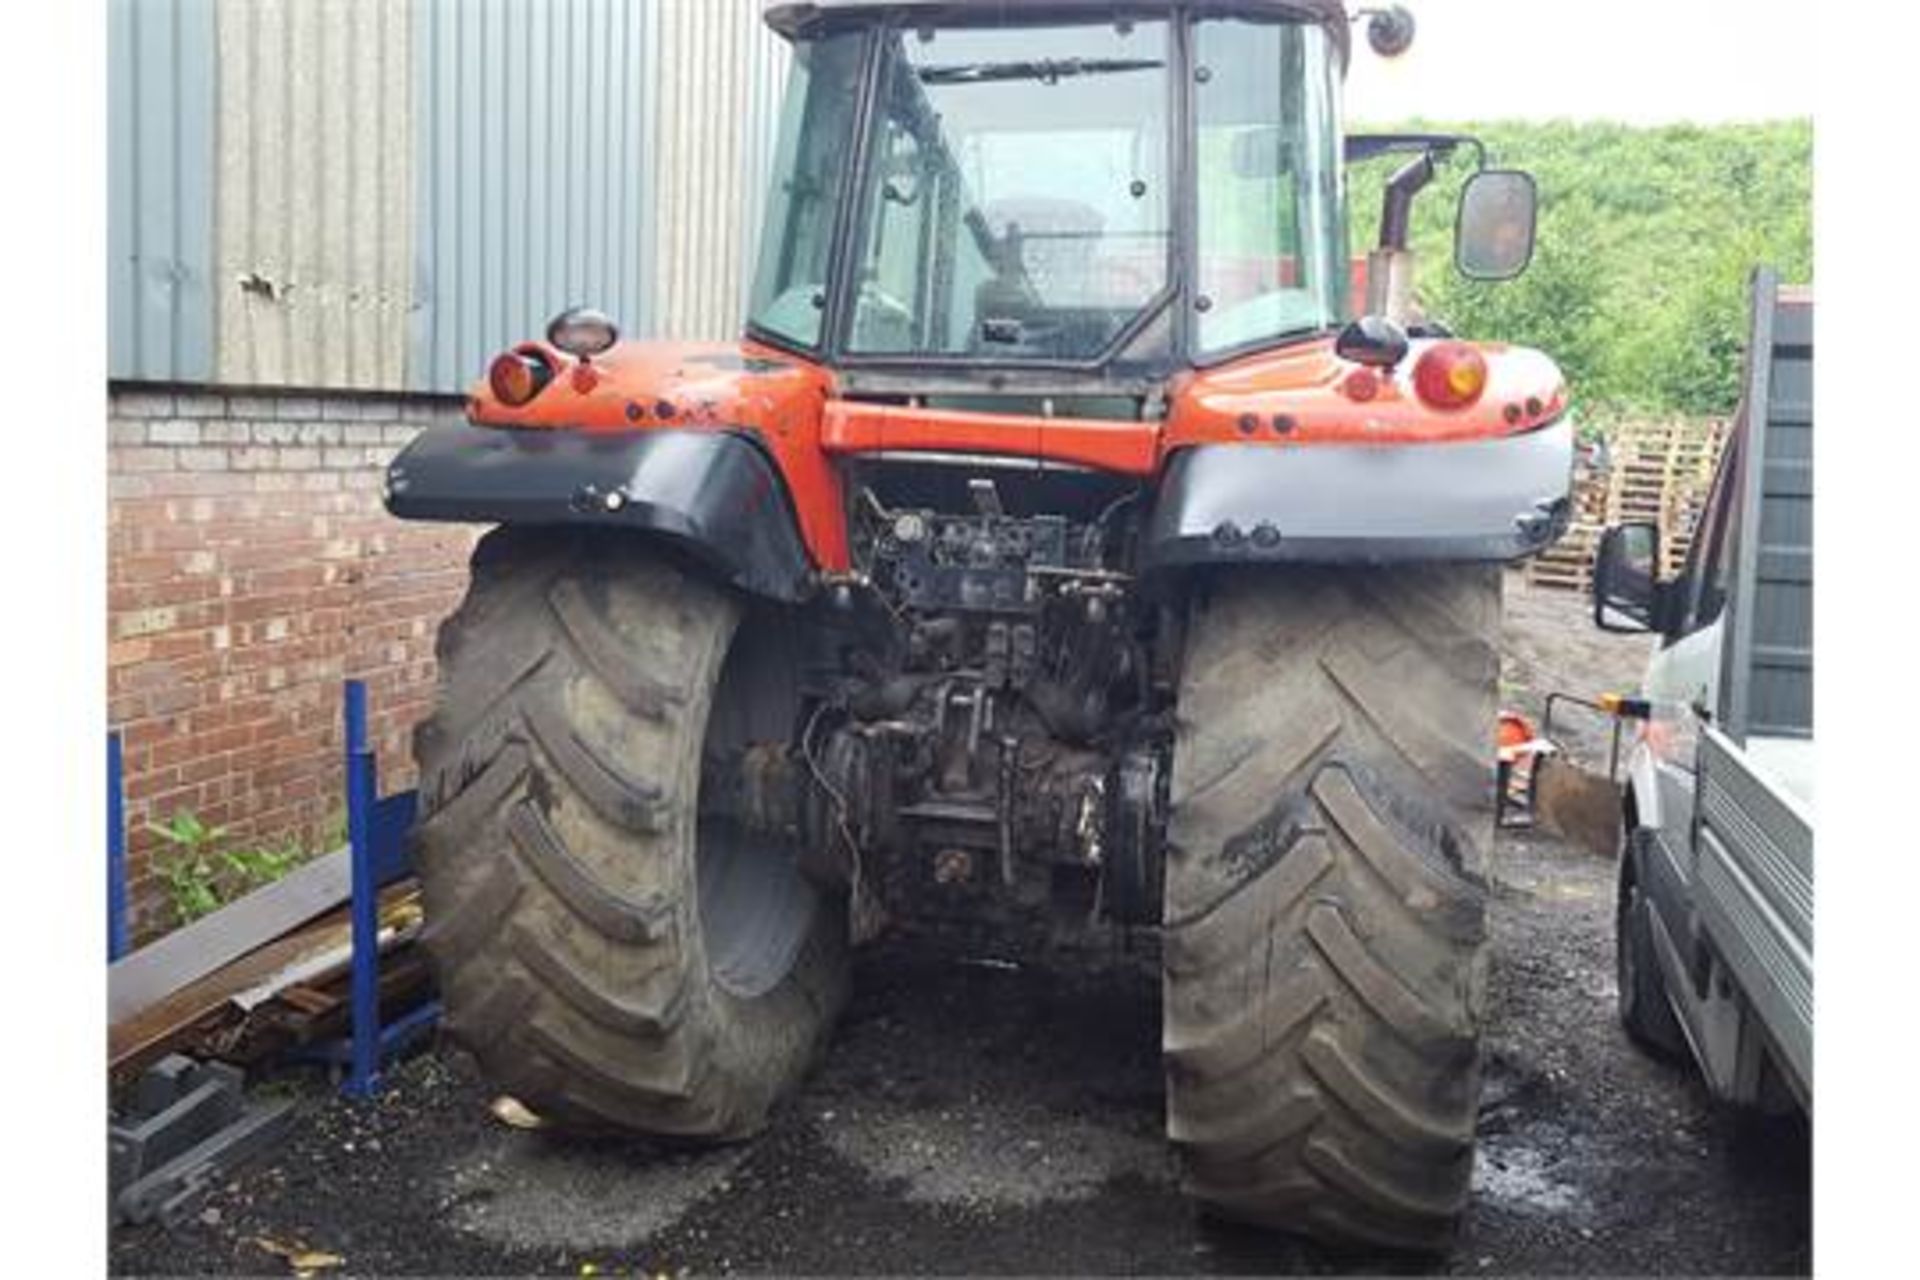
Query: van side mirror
1628, 595
1494, 231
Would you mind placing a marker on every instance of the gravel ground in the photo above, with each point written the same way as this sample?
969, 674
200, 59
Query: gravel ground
976, 1117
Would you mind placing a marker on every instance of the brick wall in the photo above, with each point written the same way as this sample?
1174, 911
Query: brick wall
251, 569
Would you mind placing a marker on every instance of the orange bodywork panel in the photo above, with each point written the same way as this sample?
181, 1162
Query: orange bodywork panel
1297, 396
1291, 397
1130, 448
743, 387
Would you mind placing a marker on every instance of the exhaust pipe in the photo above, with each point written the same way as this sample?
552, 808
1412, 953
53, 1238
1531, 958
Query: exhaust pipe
1390, 267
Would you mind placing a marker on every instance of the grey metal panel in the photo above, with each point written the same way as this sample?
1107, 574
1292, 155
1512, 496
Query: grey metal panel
156, 971
534, 169
1767, 835
314, 199
1755, 874
1768, 679
720, 76
1781, 697
1793, 324
1791, 385
612, 153
1774, 972
160, 105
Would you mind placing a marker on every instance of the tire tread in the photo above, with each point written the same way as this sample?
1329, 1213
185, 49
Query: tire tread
1324, 948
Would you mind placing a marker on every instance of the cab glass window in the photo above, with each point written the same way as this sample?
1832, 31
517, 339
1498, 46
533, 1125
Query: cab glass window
1710, 559
1017, 203
816, 124
1271, 239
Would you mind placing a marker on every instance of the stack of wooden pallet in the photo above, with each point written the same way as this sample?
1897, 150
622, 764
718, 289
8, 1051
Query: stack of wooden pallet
1568, 563
1692, 462
1657, 471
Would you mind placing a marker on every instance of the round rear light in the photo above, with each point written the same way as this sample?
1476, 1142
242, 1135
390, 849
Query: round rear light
517, 377
1450, 375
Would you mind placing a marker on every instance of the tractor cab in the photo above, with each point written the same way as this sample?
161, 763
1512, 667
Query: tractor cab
1100, 193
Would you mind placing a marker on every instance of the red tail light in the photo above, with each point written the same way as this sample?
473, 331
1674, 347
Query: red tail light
1450, 375
518, 376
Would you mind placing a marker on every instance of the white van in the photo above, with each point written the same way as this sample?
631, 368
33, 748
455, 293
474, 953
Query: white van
1715, 923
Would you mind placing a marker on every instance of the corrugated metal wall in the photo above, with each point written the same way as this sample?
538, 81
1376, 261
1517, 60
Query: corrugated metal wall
315, 192
528, 177
160, 103
610, 153
715, 94
379, 194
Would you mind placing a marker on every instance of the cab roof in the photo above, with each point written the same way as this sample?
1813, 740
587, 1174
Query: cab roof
792, 18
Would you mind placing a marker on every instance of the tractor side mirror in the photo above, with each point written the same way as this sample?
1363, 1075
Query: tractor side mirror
1493, 234
1627, 591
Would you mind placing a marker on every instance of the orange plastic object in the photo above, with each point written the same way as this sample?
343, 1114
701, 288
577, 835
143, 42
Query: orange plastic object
1293, 396
1287, 398
1131, 448
774, 397
1515, 729
1515, 739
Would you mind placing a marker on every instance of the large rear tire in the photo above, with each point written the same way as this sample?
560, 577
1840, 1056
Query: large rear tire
613, 957
1332, 817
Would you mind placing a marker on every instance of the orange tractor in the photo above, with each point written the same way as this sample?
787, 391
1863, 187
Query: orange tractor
1056, 553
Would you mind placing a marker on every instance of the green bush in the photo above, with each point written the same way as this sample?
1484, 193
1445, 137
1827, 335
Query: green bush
200, 876
1647, 237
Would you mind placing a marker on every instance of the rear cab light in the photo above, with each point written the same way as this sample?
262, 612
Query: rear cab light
1450, 375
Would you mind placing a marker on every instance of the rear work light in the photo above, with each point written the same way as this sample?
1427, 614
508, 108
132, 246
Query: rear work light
1450, 376
518, 376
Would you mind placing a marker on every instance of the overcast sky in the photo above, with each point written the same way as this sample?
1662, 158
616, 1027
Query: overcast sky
1641, 61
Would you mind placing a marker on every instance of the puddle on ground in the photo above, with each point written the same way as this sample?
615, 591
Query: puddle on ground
975, 1153
534, 1190
1523, 1173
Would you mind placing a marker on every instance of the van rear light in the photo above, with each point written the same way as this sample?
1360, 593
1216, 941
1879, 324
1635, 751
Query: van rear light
518, 376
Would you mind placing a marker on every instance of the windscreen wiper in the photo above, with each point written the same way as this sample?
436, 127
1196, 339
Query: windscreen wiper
1045, 70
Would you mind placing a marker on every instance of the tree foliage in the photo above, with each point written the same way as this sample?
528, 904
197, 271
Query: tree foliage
1647, 238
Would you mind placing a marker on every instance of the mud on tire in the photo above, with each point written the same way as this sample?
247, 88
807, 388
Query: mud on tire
1324, 957
611, 957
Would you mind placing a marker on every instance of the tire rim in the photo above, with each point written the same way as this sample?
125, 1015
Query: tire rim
755, 908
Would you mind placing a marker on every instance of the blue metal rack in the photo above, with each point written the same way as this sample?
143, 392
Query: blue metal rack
116, 854
377, 837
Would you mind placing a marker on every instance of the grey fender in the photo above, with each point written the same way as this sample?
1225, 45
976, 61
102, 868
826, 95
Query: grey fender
713, 494
1475, 500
